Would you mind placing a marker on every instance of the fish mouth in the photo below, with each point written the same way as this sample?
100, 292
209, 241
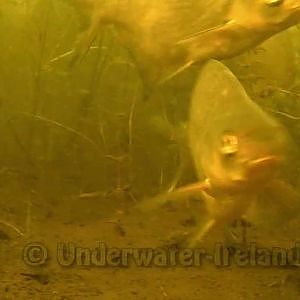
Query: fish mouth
263, 168
258, 170
251, 173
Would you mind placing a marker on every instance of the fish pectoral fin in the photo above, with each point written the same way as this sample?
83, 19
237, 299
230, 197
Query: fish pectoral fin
177, 72
203, 33
182, 193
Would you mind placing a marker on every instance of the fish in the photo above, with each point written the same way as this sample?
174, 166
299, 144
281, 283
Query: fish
166, 37
231, 138
237, 149
236, 145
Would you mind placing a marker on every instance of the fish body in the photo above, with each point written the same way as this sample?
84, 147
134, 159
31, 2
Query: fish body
169, 35
231, 138
235, 145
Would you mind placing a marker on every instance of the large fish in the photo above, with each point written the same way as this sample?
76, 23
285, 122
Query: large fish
237, 148
236, 145
167, 36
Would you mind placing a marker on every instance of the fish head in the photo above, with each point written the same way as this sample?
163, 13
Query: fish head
246, 160
270, 15
281, 13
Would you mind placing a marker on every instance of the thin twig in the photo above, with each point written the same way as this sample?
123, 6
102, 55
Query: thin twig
284, 91
284, 114
90, 195
163, 291
59, 57
130, 129
116, 158
28, 216
130, 119
19, 232
67, 128
69, 53
18, 141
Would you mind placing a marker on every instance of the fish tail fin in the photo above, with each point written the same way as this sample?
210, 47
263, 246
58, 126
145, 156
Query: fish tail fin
179, 194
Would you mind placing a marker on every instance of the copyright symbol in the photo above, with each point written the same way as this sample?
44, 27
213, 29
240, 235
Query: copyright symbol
35, 254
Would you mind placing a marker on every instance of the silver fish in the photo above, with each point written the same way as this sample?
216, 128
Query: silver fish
168, 36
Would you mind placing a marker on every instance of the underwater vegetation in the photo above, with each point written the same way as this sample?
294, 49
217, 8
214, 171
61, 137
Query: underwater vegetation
108, 106
85, 119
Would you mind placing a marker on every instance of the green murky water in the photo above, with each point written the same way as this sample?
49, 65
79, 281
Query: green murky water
82, 143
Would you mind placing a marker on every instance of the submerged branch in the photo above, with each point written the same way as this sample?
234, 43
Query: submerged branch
13, 227
67, 128
284, 114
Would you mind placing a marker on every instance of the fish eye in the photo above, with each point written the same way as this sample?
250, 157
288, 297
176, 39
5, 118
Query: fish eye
229, 144
273, 3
